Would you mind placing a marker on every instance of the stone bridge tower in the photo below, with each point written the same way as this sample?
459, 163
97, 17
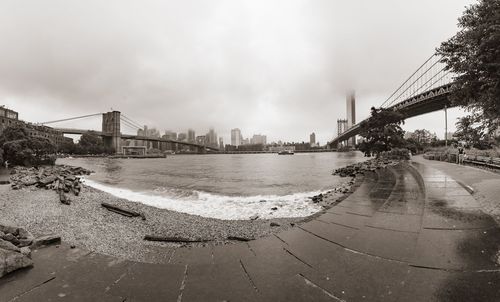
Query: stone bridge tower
111, 129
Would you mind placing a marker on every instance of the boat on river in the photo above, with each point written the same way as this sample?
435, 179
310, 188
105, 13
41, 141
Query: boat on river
286, 152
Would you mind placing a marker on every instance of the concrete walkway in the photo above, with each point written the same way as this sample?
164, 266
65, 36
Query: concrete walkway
408, 233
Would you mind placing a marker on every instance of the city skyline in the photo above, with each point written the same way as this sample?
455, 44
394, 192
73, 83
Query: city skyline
259, 76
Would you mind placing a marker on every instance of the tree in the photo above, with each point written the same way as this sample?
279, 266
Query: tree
382, 131
422, 136
21, 149
472, 132
91, 143
473, 54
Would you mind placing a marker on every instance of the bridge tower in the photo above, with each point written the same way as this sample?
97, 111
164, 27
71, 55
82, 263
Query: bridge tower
351, 116
111, 129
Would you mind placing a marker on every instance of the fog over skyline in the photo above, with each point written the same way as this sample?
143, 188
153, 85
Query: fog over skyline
279, 68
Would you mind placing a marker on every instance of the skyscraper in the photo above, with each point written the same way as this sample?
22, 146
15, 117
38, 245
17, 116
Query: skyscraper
351, 115
191, 136
236, 138
211, 138
221, 144
258, 139
312, 139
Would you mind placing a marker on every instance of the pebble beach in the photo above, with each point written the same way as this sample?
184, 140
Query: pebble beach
86, 224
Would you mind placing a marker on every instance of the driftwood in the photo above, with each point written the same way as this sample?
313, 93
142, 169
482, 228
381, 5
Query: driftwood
172, 239
122, 211
238, 238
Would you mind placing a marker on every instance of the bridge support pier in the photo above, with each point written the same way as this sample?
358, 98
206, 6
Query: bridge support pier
111, 127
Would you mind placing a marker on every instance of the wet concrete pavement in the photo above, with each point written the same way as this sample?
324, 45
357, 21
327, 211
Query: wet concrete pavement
408, 233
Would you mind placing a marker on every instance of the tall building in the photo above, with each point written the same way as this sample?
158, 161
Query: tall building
351, 115
221, 144
148, 132
211, 138
170, 135
258, 139
312, 139
191, 136
236, 138
182, 137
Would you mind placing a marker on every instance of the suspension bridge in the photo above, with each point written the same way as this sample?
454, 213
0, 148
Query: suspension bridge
424, 91
113, 137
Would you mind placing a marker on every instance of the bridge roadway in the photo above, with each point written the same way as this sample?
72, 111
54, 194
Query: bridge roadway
129, 136
408, 233
429, 101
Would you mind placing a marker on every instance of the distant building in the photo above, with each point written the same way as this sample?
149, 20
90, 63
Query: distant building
245, 141
258, 139
170, 135
312, 139
182, 137
201, 140
7, 118
236, 138
221, 144
148, 132
191, 136
10, 117
211, 138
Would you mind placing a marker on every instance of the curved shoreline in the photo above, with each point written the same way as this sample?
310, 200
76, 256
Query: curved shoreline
86, 224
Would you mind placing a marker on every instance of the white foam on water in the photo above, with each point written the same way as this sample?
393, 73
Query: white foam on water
220, 206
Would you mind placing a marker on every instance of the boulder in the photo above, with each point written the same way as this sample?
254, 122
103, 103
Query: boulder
7, 245
46, 240
11, 261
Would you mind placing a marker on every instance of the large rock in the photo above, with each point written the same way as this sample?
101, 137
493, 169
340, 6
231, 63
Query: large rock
6, 245
46, 240
11, 261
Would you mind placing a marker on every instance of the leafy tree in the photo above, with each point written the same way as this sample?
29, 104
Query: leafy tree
382, 131
91, 143
472, 132
473, 54
422, 136
21, 149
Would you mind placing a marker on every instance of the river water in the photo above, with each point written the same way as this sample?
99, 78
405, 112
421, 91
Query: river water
229, 186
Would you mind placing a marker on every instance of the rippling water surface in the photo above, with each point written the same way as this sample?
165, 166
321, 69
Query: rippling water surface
231, 186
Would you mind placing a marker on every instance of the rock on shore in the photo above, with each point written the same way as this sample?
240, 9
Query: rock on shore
62, 179
361, 168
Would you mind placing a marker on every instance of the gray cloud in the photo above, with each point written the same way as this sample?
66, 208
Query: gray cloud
275, 67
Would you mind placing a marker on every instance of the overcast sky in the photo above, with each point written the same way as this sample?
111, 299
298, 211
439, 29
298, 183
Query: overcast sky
279, 68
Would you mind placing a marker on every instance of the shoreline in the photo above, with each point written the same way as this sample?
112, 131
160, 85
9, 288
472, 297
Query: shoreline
88, 225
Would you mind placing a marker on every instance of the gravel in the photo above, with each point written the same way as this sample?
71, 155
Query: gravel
86, 224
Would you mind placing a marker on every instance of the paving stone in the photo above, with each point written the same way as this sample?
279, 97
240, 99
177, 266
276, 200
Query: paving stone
337, 234
396, 222
388, 244
443, 217
87, 280
149, 282
208, 282
447, 286
231, 253
48, 262
458, 249
358, 277
348, 220
192, 255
